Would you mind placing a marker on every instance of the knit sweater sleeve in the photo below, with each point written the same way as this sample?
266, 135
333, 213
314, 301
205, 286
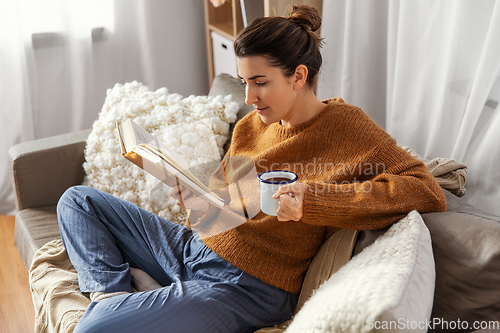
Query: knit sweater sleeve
403, 185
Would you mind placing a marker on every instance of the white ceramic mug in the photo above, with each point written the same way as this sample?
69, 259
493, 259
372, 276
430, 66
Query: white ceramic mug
270, 182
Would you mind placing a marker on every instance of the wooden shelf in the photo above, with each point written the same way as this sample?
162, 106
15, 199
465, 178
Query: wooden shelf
226, 18
227, 21
224, 28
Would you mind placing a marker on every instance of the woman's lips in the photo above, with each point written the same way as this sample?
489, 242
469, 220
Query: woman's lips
260, 110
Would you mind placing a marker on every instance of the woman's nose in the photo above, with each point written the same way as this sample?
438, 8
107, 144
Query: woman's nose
250, 96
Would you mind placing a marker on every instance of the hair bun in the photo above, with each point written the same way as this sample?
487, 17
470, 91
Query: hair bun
306, 16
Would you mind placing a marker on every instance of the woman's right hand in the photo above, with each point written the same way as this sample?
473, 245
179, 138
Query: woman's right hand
187, 200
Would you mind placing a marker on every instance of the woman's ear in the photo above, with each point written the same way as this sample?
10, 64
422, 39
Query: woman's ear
300, 77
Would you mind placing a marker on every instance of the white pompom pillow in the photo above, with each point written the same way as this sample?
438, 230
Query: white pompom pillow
196, 127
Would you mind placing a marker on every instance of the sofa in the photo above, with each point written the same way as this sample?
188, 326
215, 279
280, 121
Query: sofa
465, 240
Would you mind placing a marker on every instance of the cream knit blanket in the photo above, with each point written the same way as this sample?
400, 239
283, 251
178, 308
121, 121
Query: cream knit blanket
57, 299
450, 174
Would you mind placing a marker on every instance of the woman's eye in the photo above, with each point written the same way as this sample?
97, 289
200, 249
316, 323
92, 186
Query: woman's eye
260, 84
243, 83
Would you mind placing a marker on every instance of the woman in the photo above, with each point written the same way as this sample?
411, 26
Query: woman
351, 175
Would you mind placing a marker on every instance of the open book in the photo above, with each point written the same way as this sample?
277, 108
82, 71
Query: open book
157, 159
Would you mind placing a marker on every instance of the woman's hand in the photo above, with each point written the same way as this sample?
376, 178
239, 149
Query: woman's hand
291, 205
187, 200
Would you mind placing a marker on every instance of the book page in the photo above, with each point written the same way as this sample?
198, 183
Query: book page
158, 152
160, 161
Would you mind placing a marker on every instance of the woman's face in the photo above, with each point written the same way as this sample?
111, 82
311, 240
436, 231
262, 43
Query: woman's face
267, 88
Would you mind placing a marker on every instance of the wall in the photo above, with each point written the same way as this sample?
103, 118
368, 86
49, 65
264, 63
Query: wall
179, 46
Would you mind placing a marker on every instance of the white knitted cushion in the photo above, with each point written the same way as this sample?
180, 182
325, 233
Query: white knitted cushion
196, 127
388, 287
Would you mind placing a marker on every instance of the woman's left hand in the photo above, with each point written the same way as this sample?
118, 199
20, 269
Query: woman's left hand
291, 205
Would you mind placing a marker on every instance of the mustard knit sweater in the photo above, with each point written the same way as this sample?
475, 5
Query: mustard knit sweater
356, 177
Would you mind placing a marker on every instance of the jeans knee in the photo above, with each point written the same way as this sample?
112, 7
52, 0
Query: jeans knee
67, 197
72, 198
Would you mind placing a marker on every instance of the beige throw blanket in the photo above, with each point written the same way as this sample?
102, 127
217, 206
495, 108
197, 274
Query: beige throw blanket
57, 300
450, 174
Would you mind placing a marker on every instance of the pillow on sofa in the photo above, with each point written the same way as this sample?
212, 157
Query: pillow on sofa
225, 84
466, 245
393, 278
196, 127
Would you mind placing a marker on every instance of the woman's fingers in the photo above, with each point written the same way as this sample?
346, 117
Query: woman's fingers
291, 202
187, 200
180, 194
289, 209
295, 190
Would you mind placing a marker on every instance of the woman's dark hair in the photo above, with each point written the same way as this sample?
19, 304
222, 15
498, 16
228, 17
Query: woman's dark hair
285, 42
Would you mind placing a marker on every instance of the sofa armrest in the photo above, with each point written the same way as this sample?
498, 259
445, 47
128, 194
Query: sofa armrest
43, 169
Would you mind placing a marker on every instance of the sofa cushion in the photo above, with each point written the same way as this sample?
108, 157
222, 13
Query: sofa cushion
334, 253
225, 84
392, 278
34, 228
466, 244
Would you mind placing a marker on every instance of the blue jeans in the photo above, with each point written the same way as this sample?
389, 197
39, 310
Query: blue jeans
202, 292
